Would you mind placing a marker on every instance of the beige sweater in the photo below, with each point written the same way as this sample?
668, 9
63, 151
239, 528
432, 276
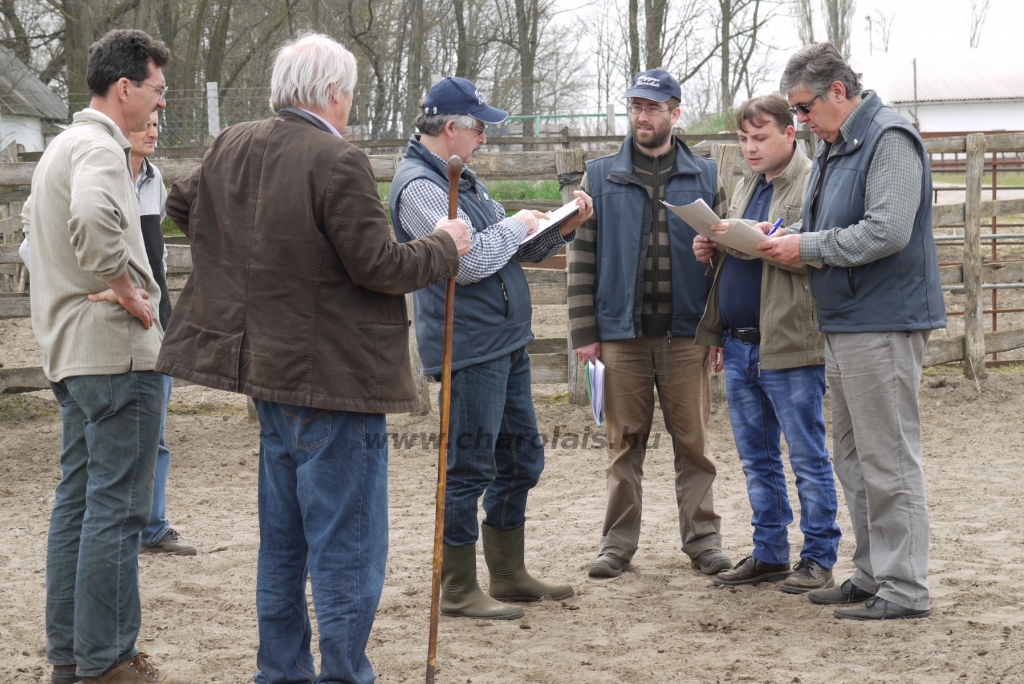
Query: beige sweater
83, 219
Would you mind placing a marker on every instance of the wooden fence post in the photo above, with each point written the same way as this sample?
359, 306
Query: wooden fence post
569, 166
422, 388
974, 327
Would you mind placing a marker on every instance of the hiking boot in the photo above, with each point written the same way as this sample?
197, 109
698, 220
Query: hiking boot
876, 608
64, 674
608, 565
807, 576
461, 595
510, 580
138, 670
846, 593
711, 562
170, 545
750, 571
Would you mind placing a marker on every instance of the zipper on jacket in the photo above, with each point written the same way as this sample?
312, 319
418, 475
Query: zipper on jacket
655, 256
669, 338
849, 277
504, 294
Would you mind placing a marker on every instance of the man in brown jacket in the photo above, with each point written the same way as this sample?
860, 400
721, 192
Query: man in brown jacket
295, 300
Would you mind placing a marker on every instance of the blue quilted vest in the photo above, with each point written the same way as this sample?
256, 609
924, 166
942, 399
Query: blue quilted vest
492, 316
900, 292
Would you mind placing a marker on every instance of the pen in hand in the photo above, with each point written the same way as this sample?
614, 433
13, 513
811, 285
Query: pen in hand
775, 227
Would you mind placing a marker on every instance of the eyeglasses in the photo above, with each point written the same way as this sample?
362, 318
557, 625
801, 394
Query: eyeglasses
804, 109
161, 91
481, 130
650, 110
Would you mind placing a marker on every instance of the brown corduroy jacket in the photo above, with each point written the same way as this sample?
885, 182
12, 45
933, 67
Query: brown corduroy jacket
296, 284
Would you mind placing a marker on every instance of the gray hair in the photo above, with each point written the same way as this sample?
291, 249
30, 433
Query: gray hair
433, 124
307, 69
816, 67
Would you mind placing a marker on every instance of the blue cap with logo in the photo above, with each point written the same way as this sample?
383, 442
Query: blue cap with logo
656, 85
455, 95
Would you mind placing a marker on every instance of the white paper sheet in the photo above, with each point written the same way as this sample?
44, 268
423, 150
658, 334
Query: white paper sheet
557, 216
741, 236
595, 387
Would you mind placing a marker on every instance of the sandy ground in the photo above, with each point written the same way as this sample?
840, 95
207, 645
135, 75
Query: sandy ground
662, 622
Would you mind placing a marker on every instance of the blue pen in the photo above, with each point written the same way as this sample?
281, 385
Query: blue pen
774, 228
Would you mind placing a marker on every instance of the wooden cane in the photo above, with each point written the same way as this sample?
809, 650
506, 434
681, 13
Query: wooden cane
454, 171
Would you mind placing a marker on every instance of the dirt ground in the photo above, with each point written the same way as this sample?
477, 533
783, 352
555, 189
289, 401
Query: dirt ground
662, 622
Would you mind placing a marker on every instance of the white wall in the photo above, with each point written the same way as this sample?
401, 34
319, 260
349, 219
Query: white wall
967, 116
22, 130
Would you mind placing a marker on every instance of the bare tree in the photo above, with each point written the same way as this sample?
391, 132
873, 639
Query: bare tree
979, 12
804, 21
839, 23
881, 26
740, 22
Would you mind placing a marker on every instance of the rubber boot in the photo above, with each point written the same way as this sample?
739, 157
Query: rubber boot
461, 595
510, 581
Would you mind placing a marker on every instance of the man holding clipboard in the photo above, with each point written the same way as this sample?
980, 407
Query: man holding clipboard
761, 321
494, 449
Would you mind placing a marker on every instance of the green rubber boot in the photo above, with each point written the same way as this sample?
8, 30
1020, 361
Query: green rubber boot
510, 581
461, 595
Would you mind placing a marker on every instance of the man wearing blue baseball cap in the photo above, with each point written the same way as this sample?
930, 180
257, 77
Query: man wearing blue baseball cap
636, 294
494, 449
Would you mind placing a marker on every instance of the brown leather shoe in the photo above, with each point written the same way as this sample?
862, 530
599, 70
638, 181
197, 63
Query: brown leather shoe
138, 670
752, 571
170, 545
876, 608
844, 594
807, 575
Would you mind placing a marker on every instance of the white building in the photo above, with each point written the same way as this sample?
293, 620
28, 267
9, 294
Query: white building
952, 97
30, 113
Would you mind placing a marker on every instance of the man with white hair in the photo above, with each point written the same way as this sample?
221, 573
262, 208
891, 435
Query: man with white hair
295, 300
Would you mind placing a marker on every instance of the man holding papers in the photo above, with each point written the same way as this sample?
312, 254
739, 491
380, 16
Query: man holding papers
868, 219
494, 449
636, 294
763, 318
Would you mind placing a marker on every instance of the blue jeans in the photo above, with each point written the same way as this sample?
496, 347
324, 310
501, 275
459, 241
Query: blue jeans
323, 512
494, 449
764, 405
158, 524
108, 455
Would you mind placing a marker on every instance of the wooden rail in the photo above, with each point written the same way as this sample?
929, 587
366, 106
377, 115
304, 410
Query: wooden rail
552, 360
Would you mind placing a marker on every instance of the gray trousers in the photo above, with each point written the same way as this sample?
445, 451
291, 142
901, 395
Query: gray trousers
876, 444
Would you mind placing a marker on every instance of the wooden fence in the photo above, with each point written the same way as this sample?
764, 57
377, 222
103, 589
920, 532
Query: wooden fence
552, 359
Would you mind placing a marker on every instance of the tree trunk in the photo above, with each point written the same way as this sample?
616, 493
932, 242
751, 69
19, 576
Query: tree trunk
654, 22
634, 38
726, 27
526, 26
414, 89
78, 36
218, 42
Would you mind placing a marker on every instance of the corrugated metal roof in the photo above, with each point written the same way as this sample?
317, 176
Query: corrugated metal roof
937, 82
23, 94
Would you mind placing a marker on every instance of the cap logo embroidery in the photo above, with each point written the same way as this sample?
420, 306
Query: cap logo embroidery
647, 81
479, 97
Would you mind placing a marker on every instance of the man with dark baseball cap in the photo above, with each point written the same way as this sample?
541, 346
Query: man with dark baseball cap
494, 449
642, 319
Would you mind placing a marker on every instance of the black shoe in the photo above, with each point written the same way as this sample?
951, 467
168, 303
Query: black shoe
752, 571
879, 609
846, 593
711, 562
808, 575
607, 565
64, 674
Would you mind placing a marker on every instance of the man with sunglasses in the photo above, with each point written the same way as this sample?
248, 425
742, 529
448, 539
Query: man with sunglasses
867, 219
636, 294
494, 450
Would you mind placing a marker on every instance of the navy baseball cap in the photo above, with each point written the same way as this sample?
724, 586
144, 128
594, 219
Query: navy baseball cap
656, 85
455, 95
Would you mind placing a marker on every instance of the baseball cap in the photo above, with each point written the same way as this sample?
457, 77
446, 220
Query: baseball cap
656, 85
455, 95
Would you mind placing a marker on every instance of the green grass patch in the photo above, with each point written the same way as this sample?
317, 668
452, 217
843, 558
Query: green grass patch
715, 123
170, 228
505, 191
1011, 179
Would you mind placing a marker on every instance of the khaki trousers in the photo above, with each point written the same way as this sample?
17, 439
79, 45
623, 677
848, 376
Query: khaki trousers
682, 373
874, 379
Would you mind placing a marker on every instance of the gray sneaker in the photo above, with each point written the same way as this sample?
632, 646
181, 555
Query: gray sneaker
170, 545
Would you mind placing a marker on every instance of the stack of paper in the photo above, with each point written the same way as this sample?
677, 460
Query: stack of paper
595, 387
557, 217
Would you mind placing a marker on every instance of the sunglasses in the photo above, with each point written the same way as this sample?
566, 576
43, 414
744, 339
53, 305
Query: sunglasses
804, 109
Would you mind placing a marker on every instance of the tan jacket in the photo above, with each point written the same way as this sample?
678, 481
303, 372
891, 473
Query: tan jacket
83, 219
296, 288
789, 319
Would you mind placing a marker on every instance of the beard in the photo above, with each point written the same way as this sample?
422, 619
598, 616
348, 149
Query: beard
656, 137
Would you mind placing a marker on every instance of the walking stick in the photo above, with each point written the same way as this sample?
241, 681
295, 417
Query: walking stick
454, 171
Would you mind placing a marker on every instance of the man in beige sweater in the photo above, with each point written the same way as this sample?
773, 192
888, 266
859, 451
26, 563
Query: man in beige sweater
93, 298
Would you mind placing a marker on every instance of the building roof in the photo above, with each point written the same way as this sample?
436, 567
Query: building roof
23, 94
961, 81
